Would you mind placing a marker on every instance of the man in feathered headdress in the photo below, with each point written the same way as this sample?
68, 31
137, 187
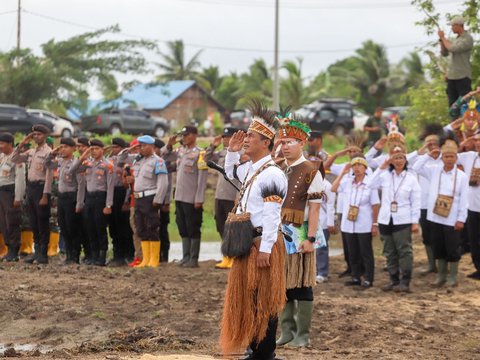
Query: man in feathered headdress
466, 126
255, 293
300, 214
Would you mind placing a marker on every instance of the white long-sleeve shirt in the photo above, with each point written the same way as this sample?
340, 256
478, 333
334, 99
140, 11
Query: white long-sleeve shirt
403, 189
264, 214
327, 207
435, 172
425, 184
469, 160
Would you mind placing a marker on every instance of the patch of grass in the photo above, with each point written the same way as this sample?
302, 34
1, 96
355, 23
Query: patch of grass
99, 315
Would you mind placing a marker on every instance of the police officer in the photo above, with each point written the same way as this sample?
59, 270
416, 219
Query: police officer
150, 184
39, 186
12, 191
99, 181
119, 226
69, 220
164, 208
82, 145
189, 192
225, 193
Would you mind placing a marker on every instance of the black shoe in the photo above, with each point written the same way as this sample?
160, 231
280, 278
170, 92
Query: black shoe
70, 262
117, 262
347, 272
364, 285
252, 356
30, 259
475, 275
390, 287
10, 258
353, 282
87, 261
101, 258
402, 288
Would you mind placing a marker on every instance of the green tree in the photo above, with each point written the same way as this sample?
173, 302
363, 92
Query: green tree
210, 79
292, 89
228, 93
175, 66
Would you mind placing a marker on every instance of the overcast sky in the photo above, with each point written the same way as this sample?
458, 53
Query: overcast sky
320, 31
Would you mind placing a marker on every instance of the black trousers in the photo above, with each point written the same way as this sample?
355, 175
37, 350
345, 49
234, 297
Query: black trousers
266, 348
39, 215
473, 229
426, 228
69, 222
10, 218
147, 220
96, 222
360, 251
300, 294
119, 226
163, 233
457, 88
189, 220
445, 242
222, 208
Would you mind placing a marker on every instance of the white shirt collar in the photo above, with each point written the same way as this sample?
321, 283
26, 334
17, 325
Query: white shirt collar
255, 166
300, 160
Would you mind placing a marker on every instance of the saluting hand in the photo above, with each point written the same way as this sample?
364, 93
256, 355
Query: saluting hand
386, 163
380, 144
434, 152
236, 142
172, 140
217, 140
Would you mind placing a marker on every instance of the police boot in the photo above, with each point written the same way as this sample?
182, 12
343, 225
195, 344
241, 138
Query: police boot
163, 254
194, 253
431, 261
146, 254
287, 324
186, 251
452, 274
394, 282
303, 321
12, 255
42, 257
101, 259
441, 274
154, 254
30, 259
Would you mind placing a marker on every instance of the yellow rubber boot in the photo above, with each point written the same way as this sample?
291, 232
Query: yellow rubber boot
225, 264
146, 255
26, 246
230, 262
53, 244
154, 254
3, 247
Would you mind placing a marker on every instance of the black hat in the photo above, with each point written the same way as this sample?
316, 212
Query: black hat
159, 143
83, 141
229, 131
41, 128
189, 129
96, 142
120, 142
315, 135
7, 137
67, 141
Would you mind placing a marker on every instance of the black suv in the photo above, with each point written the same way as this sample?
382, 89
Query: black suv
15, 119
329, 115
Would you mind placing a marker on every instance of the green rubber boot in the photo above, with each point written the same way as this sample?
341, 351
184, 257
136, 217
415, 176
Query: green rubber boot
442, 273
287, 324
452, 274
304, 319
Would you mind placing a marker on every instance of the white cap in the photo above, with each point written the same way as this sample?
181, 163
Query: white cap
457, 20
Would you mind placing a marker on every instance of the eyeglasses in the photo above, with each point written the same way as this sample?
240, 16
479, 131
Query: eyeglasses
289, 142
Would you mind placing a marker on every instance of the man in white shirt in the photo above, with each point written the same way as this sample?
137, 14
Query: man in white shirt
447, 210
251, 314
471, 164
327, 224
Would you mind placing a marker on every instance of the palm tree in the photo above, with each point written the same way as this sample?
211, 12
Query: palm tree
175, 66
292, 89
210, 79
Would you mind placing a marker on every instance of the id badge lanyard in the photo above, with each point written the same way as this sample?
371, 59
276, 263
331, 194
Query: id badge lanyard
394, 203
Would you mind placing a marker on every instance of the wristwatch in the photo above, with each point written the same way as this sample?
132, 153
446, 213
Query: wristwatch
311, 239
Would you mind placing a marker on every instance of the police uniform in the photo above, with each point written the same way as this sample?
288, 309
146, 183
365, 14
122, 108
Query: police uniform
190, 190
68, 219
99, 186
39, 183
151, 184
12, 188
225, 193
83, 234
119, 226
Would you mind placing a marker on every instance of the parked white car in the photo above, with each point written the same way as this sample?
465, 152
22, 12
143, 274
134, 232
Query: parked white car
61, 127
359, 119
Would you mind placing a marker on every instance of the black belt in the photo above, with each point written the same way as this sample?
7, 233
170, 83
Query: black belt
9, 188
36, 183
67, 194
96, 193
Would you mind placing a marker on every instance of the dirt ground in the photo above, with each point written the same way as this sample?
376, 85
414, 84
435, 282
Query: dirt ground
172, 313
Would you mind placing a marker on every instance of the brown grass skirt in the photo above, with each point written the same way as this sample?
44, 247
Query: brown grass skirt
252, 297
300, 270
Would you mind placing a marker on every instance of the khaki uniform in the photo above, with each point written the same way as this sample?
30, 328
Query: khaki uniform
39, 183
12, 188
